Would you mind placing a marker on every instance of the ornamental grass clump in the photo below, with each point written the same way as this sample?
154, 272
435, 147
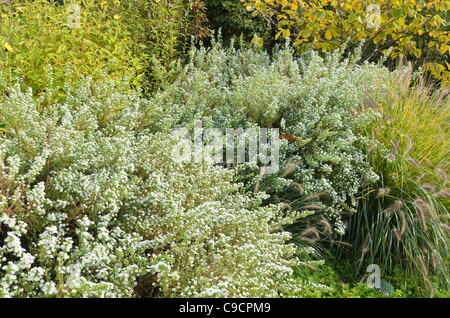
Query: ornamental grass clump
405, 227
93, 204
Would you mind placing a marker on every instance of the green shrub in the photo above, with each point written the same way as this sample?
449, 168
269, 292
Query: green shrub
417, 30
331, 276
231, 17
313, 99
121, 36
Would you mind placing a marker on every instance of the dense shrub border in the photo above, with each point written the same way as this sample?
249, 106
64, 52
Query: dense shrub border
92, 204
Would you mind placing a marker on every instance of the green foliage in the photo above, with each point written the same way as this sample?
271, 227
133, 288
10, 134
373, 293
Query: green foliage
234, 20
198, 19
407, 28
331, 274
42, 33
121, 36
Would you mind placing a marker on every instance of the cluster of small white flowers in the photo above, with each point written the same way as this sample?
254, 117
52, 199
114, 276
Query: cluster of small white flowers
15, 261
317, 100
95, 179
223, 248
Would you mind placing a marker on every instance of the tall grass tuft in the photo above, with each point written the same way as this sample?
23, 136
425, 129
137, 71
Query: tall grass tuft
403, 219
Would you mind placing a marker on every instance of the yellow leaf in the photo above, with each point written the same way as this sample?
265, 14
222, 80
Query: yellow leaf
286, 33
328, 35
277, 35
9, 47
258, 41
446, 5
444, 48
294, 5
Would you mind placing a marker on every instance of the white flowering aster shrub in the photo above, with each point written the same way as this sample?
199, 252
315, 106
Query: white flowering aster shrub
316, 102
93, 204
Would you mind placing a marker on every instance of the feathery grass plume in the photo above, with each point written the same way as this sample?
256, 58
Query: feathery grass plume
446, 227
395, 146
309, 239
383, 191
343, 243
346, 213
443, 175
373, 134
260, 176
286, 206
413, 161
327, 228
430, 286
424, 268
397, 234
410, 144
422, 264
388, 120
444, 193
420, 177
392, 156
313, 206
394, 207
310, 234
422, 215
427, 207
313, 196
364, 182
365, 246
257, 186
443, 92
289, 167
298, 186
429, 187
433, 260
310, 266
404, 223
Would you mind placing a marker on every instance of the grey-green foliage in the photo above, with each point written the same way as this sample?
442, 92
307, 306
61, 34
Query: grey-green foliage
91, 201
316, 99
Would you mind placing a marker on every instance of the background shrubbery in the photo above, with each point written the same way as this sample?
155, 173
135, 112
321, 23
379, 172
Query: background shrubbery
93, 202
125, 37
